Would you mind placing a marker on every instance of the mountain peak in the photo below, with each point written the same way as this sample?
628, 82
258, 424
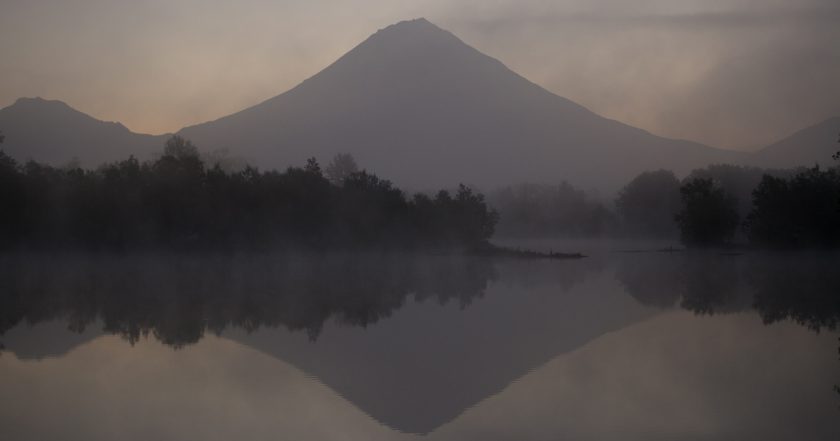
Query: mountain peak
45, 108
40, 103
413, 24
425, 109
412, 32
419, 21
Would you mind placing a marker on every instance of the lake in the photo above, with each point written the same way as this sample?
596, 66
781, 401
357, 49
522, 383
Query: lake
625, 344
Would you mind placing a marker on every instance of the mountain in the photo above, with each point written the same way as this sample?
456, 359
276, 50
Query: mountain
412, 103
53, 132
809, 146
415, 104
414, 368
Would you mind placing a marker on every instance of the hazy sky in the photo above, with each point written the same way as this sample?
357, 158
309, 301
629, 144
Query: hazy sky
736, 73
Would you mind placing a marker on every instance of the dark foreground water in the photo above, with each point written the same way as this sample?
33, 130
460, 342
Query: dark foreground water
617, 346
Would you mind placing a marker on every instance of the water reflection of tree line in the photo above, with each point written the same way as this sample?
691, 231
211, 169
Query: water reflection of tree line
802, 287
178, 299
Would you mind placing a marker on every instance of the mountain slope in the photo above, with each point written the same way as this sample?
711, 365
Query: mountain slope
417, 105
53, 132
809, 146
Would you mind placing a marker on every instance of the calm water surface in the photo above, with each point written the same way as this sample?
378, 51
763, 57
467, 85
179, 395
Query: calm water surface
618, 346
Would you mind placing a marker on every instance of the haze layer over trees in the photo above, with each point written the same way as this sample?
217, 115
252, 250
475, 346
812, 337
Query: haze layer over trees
178, 201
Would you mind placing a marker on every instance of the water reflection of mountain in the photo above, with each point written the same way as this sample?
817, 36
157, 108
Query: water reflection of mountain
443, 352
428, 364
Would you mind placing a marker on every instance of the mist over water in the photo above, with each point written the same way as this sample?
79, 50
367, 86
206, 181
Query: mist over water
393, 344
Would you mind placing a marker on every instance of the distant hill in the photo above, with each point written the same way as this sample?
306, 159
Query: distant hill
807, 147
53, 132
417, 105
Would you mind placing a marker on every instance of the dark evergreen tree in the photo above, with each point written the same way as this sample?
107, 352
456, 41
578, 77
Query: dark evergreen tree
797, 212
709, 215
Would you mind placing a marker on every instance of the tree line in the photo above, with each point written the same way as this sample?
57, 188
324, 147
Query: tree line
185, 200
716, 205
180, 201
540, 210
722, 204
713, 206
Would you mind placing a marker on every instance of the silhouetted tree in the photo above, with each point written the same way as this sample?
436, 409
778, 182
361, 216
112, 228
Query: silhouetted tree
836, 156
738, 181
175, 191
801, 211
371, 208
340, 167
224, 160
709, 215
180, 148
313, 167
540, 210
648, 204
473, 222
12, 201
